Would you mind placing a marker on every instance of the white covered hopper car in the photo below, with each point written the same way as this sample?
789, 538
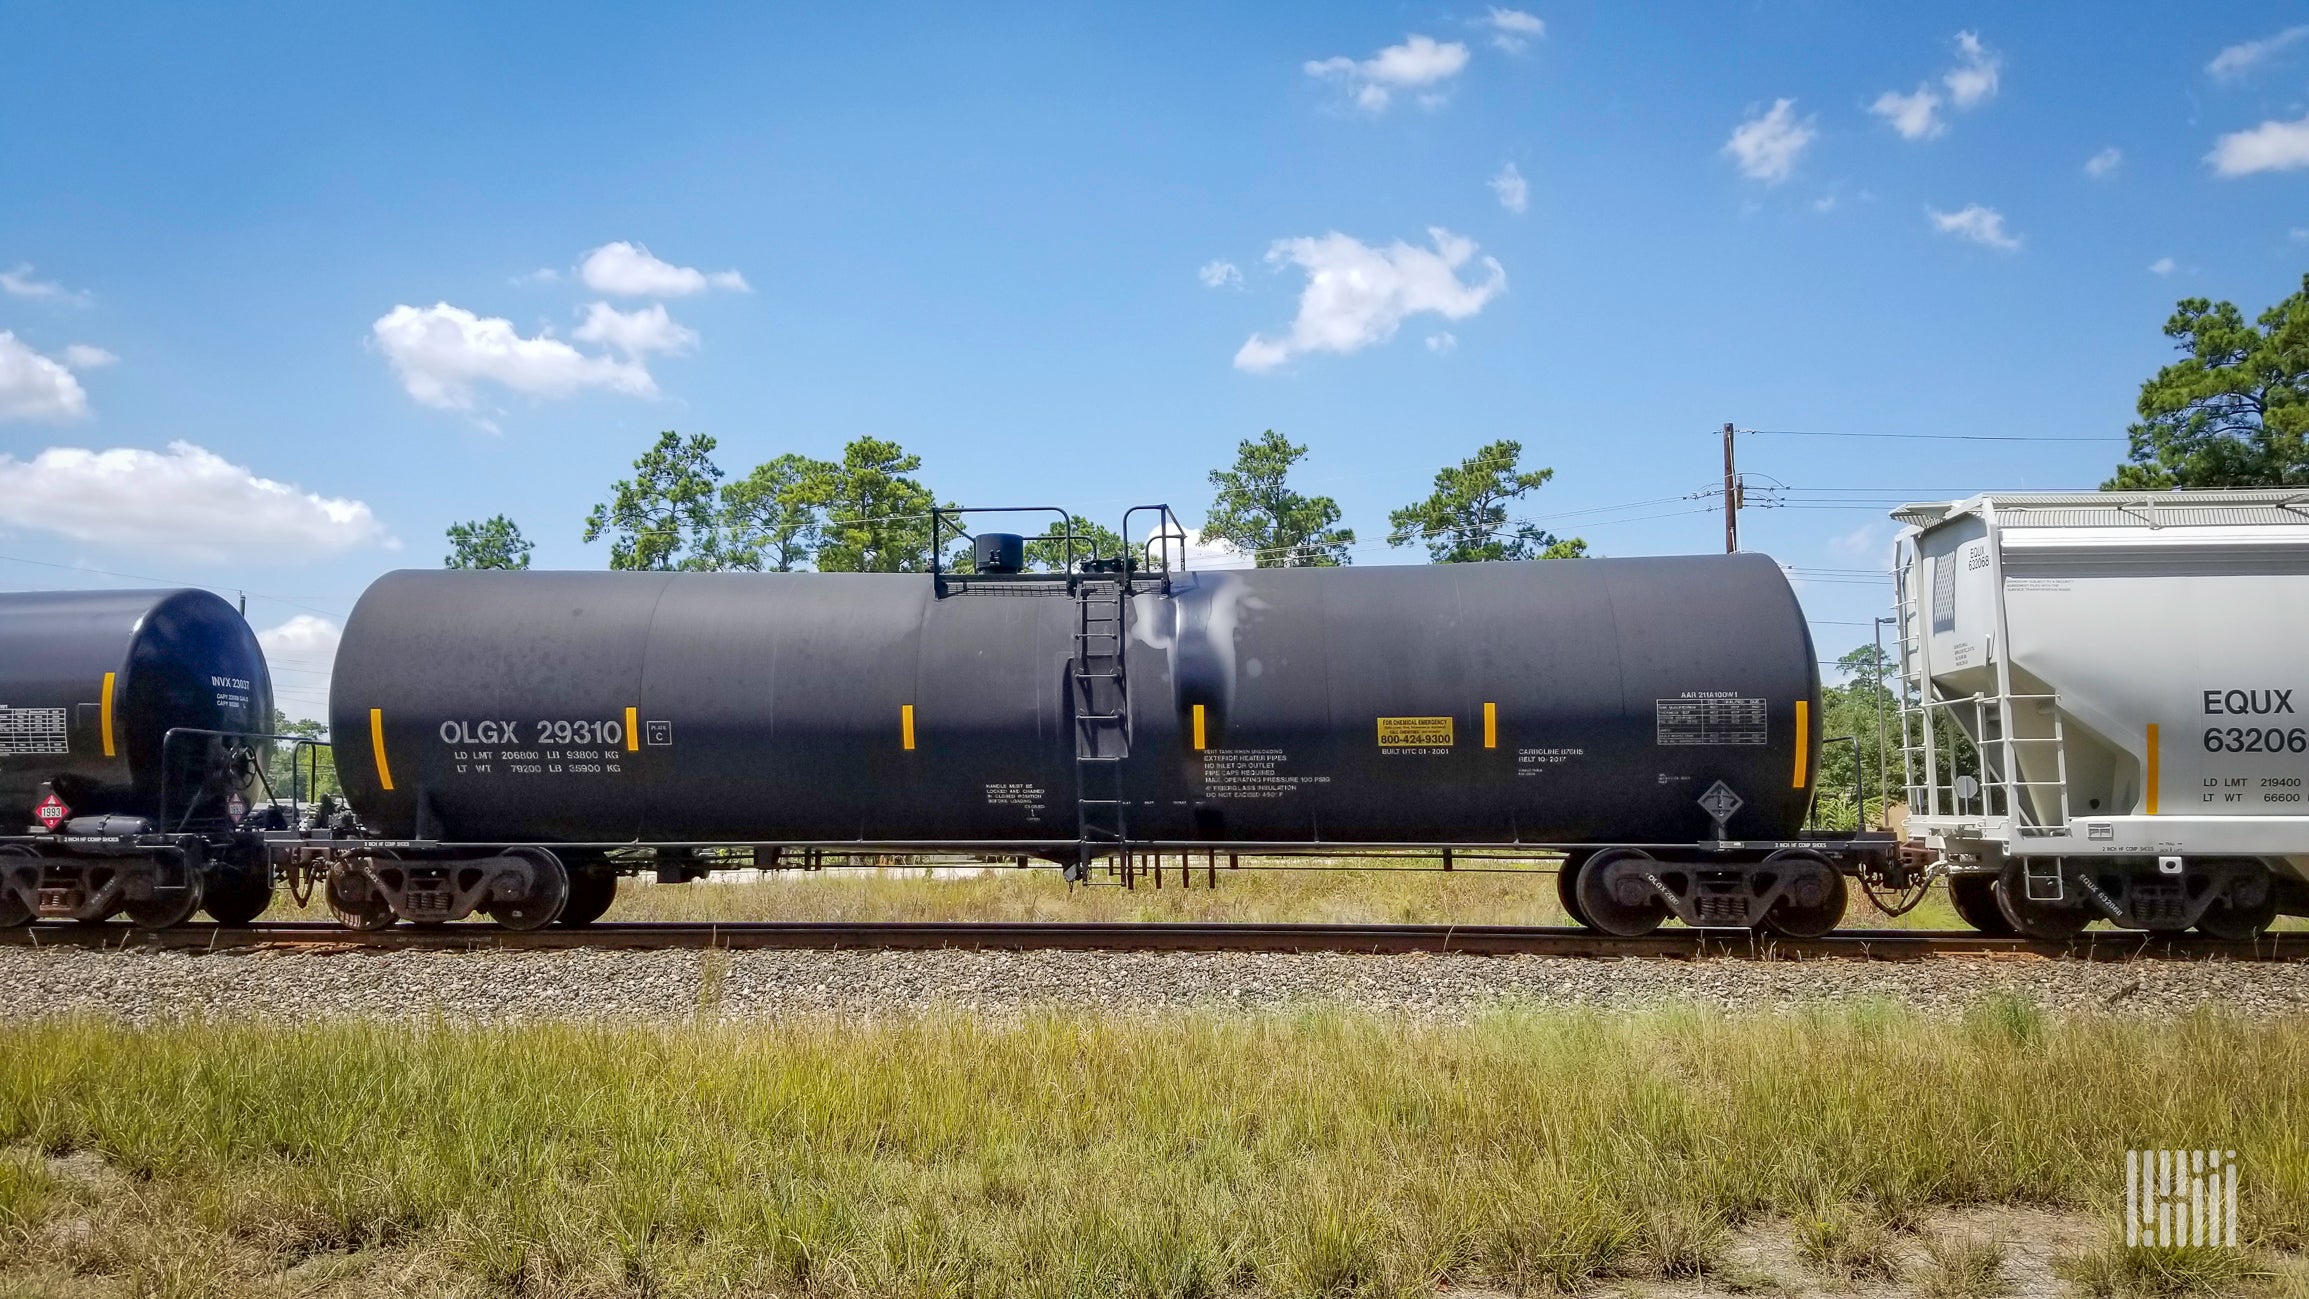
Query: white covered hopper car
2106, 707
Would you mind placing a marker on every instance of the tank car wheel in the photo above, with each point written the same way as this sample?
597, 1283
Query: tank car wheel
548, 893
2041, 921
361, 908
239, 895
168, 910
1598, 894
1974, 897
15, 912
590, 893
1567, 887
1793, 916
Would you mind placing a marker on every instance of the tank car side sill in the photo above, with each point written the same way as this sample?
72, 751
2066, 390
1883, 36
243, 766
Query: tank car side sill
1865, 842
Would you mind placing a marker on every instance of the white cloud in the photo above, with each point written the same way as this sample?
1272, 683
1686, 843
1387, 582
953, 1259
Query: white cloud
2271, 146
1419, 62
1357, 295
1768, 144
187, 501
2105, 162
1981, 225
1513, 190
2298, 234
441, 352
18, 283
1513, 29
301, 653
1972, 82
33, 386
630, 271
1442, 342
2161, 266
635, 333
1220, 274
304, 636
542, 275
2240, 58
1916, 117
84, 356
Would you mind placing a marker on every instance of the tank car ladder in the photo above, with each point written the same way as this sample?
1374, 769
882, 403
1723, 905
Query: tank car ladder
1101, 721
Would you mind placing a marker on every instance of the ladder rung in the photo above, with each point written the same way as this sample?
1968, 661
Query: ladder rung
1098, 717
1082, 757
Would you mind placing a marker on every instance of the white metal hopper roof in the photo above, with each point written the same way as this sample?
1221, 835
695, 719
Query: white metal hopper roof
2240, 507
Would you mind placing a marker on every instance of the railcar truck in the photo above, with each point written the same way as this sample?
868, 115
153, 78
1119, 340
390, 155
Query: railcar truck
2105, 710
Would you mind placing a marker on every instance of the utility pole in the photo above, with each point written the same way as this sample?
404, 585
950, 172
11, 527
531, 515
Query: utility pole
1731, 497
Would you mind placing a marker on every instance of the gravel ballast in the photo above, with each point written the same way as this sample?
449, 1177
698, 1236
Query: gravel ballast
685, 985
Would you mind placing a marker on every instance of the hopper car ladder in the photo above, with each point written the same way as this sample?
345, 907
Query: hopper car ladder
2004, 791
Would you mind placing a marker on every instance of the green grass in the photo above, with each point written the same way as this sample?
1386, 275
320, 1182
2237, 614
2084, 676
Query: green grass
1320, 1154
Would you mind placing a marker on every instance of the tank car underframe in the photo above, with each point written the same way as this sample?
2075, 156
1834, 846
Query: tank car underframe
1792, 886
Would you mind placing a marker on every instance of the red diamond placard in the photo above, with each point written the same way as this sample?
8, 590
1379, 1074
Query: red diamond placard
52, 811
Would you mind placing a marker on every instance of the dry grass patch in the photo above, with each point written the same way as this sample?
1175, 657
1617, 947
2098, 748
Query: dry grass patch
2113, 1271
1184, 1157
1961, 1265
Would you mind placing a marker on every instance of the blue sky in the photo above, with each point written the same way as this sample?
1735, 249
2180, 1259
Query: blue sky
308, 245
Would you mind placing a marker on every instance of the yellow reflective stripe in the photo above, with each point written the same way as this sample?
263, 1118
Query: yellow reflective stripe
1491, 726
377, 746
1198, 728
2152, 781
104, 711
906, 726
632, 732
1803, 742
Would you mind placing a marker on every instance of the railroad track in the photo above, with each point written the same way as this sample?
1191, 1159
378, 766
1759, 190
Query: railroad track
1489, 940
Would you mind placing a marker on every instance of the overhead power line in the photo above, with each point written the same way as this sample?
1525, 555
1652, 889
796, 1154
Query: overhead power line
1929, 437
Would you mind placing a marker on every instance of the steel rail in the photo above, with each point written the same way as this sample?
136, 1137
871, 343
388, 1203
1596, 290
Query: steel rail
1487, 940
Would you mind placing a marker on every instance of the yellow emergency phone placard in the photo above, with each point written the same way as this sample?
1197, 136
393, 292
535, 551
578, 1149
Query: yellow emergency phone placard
1414, 732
